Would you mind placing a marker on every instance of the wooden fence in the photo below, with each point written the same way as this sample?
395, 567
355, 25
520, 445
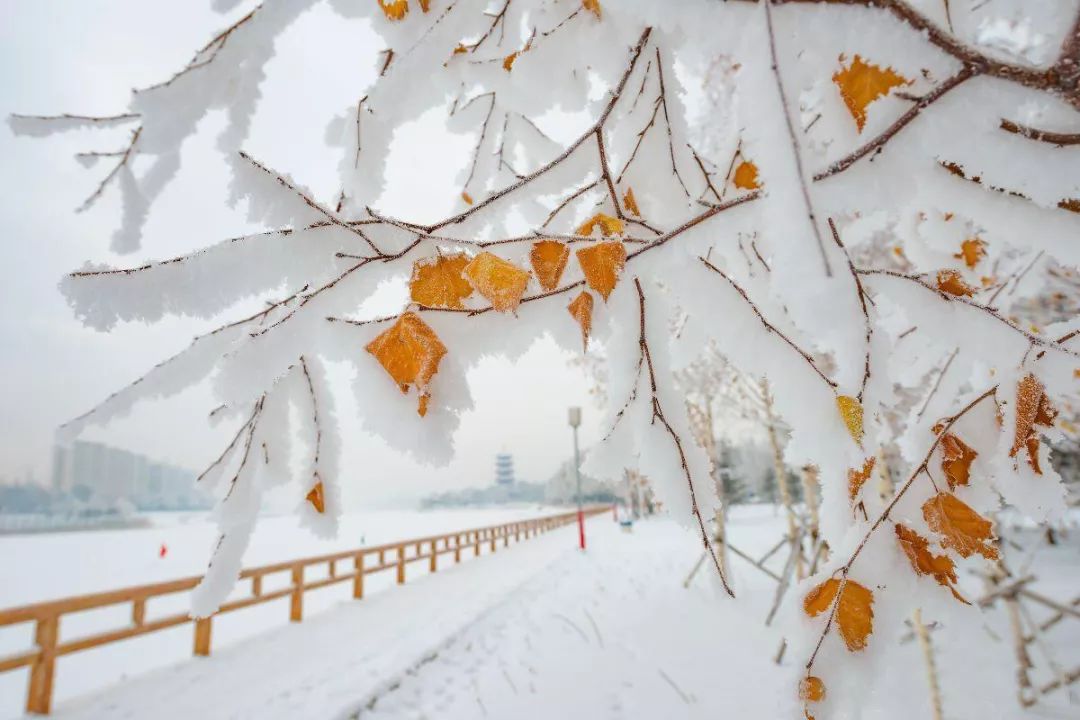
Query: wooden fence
48, 645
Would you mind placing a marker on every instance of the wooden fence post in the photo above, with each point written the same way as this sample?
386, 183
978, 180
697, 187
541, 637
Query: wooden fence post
494, 537
202, 637
401, 565
296, 600
457, 548
358, 579
39, 696
434, 566
476, 543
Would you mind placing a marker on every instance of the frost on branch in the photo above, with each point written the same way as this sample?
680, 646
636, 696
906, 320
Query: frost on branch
862, 206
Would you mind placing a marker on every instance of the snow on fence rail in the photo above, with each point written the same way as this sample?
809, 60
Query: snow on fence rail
46, 615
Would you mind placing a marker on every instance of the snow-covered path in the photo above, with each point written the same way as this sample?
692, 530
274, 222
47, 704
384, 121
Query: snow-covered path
539, 630
543, 631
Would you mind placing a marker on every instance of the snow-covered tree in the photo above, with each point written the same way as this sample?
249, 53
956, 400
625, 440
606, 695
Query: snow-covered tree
845, 197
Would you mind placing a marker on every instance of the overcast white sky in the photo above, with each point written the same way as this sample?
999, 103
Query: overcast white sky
60, 56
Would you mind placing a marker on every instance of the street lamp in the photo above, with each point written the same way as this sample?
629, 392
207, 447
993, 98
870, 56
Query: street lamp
574, 416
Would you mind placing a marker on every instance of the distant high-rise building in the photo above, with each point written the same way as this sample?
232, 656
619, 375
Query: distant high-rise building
111, 474
504, 469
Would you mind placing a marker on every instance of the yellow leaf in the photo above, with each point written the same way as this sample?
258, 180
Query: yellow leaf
630, 202
956, 458
508, 61
548, 259
608, 225
501, 282
581, 309
971, 252
854, 614
602, 264
811, 689
917, 549
962, 529
459, 49
857, 478
410, 351
1032, 408
439, 283
316, 498
592, 6
862, 83
949, 281
852, 414
394, 9
745, 176
466, 197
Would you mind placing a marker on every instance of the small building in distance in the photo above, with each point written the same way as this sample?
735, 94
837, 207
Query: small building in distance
504, 469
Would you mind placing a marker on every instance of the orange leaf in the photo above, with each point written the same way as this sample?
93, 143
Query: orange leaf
745, 177
410, 351
854, 615
425, 5
592, 6
917, 549
963, 529
862, 83
608, 225
501, 282
857, 478
852, 413
548, 259
466, 197
581, 309
316, 498
630, 202
439, 283
395, 9
956, 459
811, 689
1032, 408
949, 281
971, 252
602, 263
508, 61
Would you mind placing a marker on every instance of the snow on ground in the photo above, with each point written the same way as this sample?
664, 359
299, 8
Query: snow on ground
40, 567
543, 631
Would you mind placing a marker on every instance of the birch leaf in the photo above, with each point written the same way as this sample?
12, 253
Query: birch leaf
857, 478
608, 225
316, 497
602, 264
852, 413
410, 351
581, 309
548, 259
971, 252
811, 689
949, 281
1032, 408
854, 614
440, 283
630, 202
394, 9
962, 529
862, 83
501, 282
956, 458
746, 176
917, 549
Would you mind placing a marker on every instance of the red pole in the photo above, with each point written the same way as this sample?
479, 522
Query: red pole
581, 528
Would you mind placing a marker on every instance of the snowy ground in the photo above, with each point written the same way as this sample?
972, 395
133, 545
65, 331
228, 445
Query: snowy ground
542, 631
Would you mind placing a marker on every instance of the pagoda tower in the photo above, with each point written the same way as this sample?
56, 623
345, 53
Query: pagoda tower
504, 469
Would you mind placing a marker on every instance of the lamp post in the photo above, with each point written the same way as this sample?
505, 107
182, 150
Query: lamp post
574, 417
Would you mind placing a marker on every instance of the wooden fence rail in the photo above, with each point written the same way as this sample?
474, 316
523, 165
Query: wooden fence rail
48, 644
